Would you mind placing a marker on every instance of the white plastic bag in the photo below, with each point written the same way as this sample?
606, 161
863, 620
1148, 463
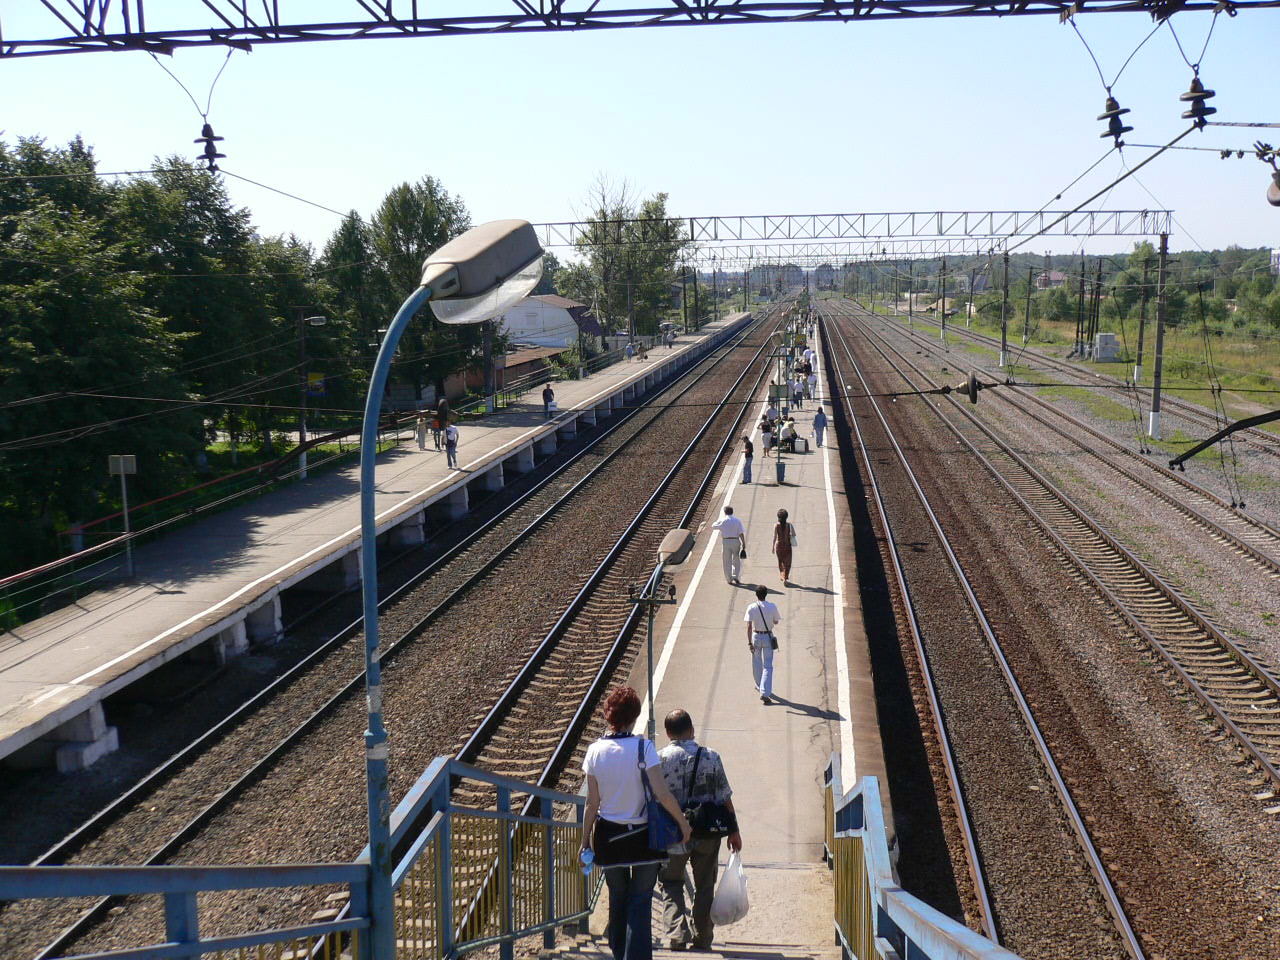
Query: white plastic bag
731, 904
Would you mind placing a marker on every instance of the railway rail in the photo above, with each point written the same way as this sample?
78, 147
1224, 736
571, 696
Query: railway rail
1248, 536
1240, 690
1262, 441
959, 598
87, 843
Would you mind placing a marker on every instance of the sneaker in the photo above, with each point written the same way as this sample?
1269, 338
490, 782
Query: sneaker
764, 698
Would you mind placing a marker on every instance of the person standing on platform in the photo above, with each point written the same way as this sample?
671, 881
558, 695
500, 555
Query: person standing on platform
451, 445
797, 393
614, 824
420, 431
819, 425
766, 434
693, 773
748, 454
811, 385
630, 351
761, 617
548, 398
784, 538
733, 538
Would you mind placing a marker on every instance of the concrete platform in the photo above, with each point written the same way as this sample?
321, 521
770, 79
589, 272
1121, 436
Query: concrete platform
775, 754
218, 581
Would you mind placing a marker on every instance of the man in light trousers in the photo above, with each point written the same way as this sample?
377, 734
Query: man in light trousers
693, 773
732, 537
761, 618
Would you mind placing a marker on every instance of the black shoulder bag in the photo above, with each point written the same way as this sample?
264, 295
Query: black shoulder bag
707, 817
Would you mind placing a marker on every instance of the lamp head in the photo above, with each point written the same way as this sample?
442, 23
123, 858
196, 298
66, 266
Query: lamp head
483, 272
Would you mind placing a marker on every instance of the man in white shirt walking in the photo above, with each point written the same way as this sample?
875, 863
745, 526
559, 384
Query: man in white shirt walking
732, 537
761, 617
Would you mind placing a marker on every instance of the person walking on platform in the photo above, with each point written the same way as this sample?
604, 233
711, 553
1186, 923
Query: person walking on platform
784, 538
548, 398
442, 419
748, 454
766, 434
733, 539
614, 824
420, 431
761, 617
630, 351
695, 775
797, 393
451, 445
819, 425
811, 386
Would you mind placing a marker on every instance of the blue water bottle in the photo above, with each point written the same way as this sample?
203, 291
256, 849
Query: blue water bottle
587, 858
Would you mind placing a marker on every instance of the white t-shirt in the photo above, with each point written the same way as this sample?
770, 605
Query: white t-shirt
614, 762
730, 527
762, 615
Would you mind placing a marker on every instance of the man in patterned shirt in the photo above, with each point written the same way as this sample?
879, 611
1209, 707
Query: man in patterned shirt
702, 855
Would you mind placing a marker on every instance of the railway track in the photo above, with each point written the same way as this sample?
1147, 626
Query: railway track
115, 834
1248, 536
1240, 690
955, 609
1261, 441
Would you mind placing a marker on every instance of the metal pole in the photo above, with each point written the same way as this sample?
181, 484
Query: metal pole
684, 295
1004, 315
697, 312
715, 289
382, 938
911, 297
968, 320
1154, 429
302, 408
1026, 316
128, 542
942, 299
653, 587
1142, 320
1080, 312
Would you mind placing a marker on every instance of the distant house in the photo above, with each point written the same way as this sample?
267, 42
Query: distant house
549, 320
1049, 279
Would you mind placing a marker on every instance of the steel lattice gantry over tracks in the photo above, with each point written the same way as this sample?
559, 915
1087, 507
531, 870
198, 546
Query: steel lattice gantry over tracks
45, 27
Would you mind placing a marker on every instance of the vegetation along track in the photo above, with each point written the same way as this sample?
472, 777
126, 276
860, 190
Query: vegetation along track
1049, 895
1248, 536
474, 632
1258, 440
1238, 687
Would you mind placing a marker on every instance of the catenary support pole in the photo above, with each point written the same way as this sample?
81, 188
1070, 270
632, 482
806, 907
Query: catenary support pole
1079, 347
942, 300
1142, 320
1004, 314
1026, 313
1154, 429
911, 299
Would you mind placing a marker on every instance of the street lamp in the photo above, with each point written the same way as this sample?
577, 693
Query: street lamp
673, 551
470, 279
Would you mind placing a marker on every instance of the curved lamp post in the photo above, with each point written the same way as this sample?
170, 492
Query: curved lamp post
470, 279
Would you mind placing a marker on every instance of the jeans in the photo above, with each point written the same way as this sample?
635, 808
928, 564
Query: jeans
746, 470
630, 910
762, 664
817, 434
681, 923
731, 557
451, 452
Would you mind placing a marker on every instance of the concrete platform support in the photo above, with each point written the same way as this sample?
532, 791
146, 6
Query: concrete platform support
263, 622
519, 462
617, 401
567, 430
229, 643
491, 480
588, 417
458, 503
74, 745
342, 574
409, 532
545, 445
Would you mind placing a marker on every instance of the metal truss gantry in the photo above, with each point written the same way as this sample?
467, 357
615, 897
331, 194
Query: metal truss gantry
165, 26
993, 227
738, 255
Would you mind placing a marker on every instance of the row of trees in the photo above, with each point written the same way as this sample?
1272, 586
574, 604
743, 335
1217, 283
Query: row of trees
147, 316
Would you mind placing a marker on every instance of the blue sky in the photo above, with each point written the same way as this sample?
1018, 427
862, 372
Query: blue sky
908, 115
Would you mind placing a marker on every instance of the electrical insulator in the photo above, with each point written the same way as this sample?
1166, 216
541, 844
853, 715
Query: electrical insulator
1112, 114
1197, 96
211, 156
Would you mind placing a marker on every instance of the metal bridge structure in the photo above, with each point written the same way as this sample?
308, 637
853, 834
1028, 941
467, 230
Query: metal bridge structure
50, 27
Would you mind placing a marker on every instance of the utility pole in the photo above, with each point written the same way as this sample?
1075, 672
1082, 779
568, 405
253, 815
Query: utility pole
684, 296
968, 320
487, 331
631, 313
715, 289
1154, 429
942, 299
1026, 314
1097, 314
697, 310
911, 299
1004, 315
1142, 321
1080, 312
303, 323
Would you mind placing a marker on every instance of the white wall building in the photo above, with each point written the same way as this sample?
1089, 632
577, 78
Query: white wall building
549, 320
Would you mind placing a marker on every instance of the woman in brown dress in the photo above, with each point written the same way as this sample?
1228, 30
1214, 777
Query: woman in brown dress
782, 534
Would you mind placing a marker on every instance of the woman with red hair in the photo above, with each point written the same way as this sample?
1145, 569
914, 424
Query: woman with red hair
615, 824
